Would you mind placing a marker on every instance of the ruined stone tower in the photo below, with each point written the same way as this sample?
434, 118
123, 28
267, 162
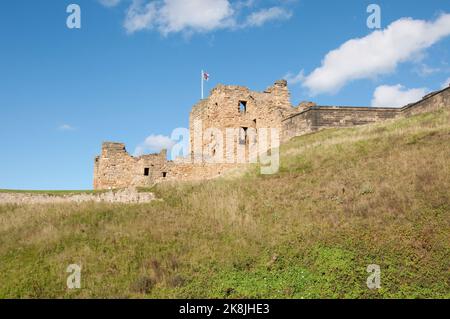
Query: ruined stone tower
227, 107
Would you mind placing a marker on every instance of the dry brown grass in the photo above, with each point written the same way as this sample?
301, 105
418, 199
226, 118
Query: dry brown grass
343, 199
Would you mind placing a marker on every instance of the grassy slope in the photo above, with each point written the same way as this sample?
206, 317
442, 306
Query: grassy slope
343, 199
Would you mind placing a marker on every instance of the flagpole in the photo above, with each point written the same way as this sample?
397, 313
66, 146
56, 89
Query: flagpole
202, 84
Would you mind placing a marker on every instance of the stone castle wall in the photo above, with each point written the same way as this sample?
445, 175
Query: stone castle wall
320, 117
431, 102
115, 168
237, 107
227, 107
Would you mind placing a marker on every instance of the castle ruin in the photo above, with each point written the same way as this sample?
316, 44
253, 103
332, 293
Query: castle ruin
237, 107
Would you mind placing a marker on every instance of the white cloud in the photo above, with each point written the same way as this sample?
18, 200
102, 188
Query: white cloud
66, 127
154, 143
426, 70
109, 3
396, 95
195, 15
378, 53
139, 16
263, 16
295, 78
446, 84
178, 15
172, 16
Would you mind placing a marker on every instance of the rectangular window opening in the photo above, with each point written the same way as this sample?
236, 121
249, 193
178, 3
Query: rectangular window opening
242, 106
146, 171
243, 136
164, 174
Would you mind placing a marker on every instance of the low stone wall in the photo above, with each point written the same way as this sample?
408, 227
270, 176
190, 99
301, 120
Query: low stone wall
124, 196
431, 102
201, 171
320, 117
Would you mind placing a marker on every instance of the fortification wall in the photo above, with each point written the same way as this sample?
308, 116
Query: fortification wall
319, 117
429, 103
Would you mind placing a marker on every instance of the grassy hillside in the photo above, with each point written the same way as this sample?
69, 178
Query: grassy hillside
343, 199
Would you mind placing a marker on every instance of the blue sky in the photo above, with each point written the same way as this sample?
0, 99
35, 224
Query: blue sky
132, 70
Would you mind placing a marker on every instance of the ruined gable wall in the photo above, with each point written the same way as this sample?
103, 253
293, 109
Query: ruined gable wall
115, 168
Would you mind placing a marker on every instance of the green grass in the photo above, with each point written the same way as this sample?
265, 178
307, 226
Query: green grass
343, 199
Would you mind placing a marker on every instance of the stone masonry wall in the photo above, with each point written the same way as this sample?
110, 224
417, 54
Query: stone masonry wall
227, 107
238, 107
431, 102
115, 168
320, 117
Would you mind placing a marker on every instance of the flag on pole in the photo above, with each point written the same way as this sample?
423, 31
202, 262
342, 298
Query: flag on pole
204, 77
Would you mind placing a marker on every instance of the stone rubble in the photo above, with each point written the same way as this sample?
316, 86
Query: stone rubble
124, 196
